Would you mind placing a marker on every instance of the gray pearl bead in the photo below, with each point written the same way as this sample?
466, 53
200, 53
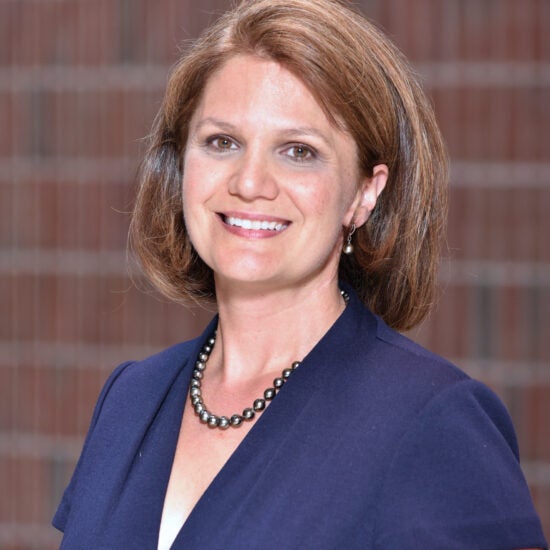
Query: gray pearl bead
259, 404
199, 408
248, 414
203, 357
194, 391
269, 394
278, 383
287, 373
195, 383
200, 365
236, 420
213, 421
223, 423
196, 399
296, 364
197, 375
204, 416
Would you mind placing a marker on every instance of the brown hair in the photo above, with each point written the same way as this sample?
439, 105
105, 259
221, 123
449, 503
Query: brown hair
359, 78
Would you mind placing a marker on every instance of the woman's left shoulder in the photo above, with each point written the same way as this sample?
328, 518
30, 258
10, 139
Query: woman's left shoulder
411, 354
414, 386
392, 366
455, 471
456, 462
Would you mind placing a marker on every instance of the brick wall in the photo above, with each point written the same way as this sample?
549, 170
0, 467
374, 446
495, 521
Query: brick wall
80, 81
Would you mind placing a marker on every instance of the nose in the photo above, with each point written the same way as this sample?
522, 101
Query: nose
253, 178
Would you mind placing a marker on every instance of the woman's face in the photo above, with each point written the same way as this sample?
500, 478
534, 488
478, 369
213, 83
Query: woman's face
268, 181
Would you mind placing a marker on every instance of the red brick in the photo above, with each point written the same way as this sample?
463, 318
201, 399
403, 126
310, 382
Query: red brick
494, 123
453, 30
31, 489
7, 108
91, 309
65, 215
499, 224
44, 395
81, 123
448, 329
53, 32
537, 407
25, 487
541, 498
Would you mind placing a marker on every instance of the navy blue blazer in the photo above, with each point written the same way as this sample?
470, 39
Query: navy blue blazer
372, 443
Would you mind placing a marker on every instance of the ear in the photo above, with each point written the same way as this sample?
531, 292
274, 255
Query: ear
368, 193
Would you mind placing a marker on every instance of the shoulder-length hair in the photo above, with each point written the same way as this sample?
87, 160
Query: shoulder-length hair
366, 87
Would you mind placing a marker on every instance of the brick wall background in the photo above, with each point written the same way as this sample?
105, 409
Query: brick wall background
80, 81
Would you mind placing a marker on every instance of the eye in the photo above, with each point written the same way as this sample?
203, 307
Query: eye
221, 143
300, 152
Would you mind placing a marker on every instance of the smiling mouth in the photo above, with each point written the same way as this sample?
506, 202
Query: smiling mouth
255, 225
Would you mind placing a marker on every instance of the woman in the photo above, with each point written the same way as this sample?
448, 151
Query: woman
295, 176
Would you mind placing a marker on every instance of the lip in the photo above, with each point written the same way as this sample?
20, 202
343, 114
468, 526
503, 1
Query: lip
256, 232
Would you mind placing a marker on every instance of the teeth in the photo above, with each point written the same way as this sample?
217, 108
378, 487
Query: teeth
255, 224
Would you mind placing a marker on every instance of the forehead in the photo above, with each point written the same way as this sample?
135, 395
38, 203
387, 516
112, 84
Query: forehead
252, 81
253, 84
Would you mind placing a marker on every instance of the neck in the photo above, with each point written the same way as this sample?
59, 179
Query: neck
259, 333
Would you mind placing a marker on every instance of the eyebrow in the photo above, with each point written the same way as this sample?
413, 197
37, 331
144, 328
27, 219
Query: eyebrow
290, 132
215, 122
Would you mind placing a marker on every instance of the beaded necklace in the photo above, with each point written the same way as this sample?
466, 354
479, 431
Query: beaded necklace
248, 414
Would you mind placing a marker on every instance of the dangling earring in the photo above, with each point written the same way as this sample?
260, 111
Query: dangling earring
348, 248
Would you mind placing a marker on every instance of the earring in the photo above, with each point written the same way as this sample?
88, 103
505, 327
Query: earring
348, 248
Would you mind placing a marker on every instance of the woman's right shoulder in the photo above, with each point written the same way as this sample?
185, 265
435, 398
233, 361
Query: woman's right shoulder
160, 364
136, 380
128, 401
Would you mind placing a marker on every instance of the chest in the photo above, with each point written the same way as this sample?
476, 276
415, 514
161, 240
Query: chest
296, 480
201, 453
246, 494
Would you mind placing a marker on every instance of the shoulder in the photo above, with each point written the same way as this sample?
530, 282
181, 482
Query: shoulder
454, 474
382, 375
454, 452
434, 393
133, 380
399, 374
128, 400
402, 351
396, 386
387, 353
156, 367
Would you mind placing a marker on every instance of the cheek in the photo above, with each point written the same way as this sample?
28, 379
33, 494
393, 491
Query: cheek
201, 178
319, 203
194, 184
335, 199
316, 194
186, 194
324, 202
191, 198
